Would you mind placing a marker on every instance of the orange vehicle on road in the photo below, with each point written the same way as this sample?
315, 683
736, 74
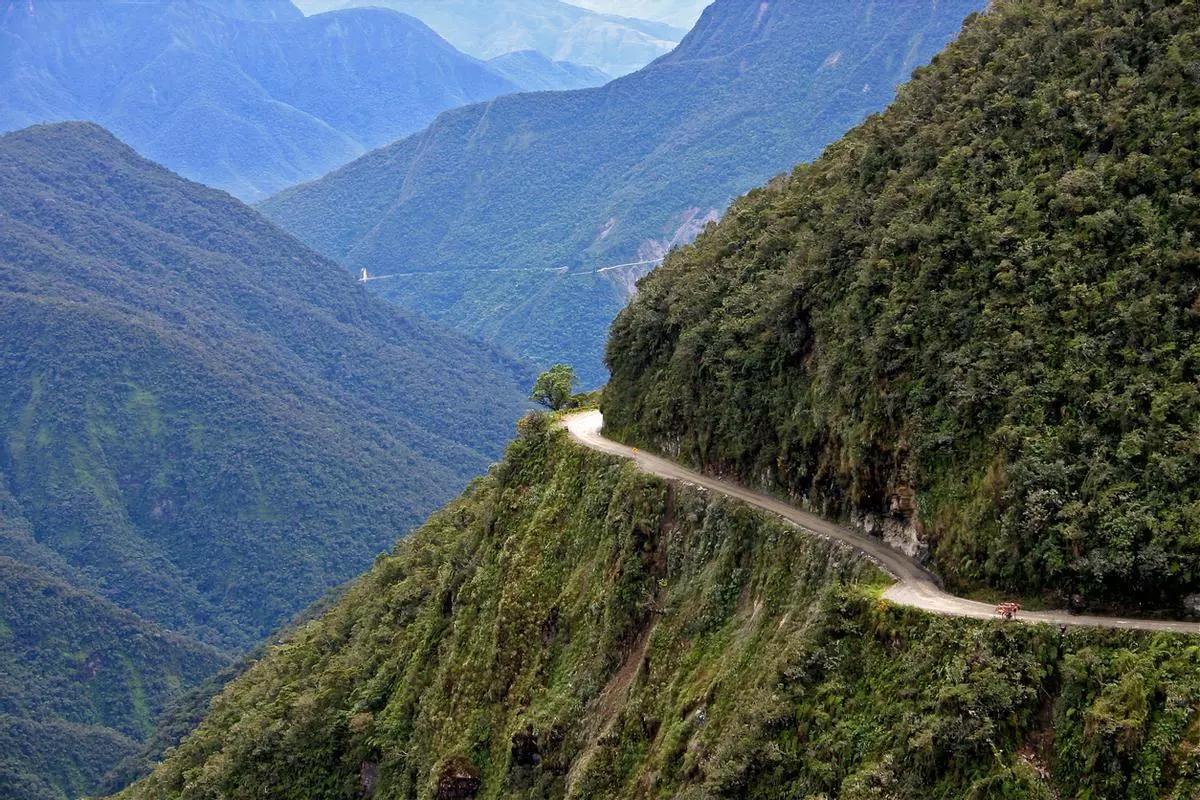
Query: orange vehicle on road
1008, 610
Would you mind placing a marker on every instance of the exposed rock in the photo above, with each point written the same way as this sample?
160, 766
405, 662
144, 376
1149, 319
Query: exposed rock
368, 778
459, 780
900, 532
525, 751
550, 626
1191, 604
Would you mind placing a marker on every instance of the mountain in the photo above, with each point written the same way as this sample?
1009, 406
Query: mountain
572, 628
680, 13
252, 10
560, 31
534, 72
82, 682
204, 427
478, 214
246, 96
972, 324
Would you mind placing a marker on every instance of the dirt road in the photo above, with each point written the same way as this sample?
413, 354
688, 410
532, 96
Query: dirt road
915, 586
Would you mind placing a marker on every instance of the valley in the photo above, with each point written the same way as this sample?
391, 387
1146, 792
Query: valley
246, 97
732, 400
609, 175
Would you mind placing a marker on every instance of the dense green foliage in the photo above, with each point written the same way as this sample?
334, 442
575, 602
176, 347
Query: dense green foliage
81, 681
246, 95
986, 296
202, 423
55, 760
574, 628
607, 176
183, 714
173, 725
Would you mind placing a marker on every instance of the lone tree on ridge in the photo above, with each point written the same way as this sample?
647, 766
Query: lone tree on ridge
554, 387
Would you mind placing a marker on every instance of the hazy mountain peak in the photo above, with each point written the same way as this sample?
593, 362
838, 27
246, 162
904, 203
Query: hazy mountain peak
560, 31
246, 96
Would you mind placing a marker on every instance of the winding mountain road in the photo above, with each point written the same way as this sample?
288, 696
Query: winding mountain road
915, 586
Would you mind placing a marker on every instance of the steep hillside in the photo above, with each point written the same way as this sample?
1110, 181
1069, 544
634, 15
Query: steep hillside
572, 628
245, 96
82, 681
478, 213
560, 31
973, 323
203, 424
184, 382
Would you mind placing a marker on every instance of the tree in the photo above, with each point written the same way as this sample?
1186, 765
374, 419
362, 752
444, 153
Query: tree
554, 387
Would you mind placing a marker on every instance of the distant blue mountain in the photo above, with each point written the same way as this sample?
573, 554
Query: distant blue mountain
680, 13
535, 72
477, 214
245, 95
559, 30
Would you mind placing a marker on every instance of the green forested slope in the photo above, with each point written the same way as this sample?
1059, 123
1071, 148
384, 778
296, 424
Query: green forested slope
478, 212
572, 628
203, 424
978, 313
192, 400
82, 681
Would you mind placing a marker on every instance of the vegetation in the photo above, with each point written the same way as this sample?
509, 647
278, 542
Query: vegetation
187, 711
571, 627
245, 95
203, 426
81, 682
606, 176
977, 313
554, 387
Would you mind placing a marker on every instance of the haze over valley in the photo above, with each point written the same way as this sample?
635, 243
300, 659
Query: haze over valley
599, 399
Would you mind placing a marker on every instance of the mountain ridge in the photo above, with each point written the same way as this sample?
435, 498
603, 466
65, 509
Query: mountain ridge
204, 427
246, 98
560, 31
604, 176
